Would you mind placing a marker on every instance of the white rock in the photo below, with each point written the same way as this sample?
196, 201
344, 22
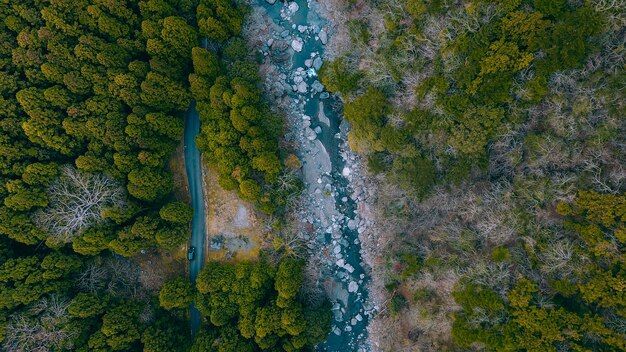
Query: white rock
293, 7
345, 172
318, 130
359, 317
302, 87
271, 40
353, 286
323, 37
297, 44
349, 268
317, 63
352, 224
337, 249
308, 62
298, 79
271, 2
353, 321
302, 28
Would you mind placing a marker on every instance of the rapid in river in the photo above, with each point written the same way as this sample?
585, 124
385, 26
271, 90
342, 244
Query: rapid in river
291, 37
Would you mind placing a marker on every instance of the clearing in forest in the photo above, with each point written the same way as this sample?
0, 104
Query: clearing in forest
234, 228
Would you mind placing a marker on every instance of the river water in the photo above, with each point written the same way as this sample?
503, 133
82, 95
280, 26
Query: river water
317, 127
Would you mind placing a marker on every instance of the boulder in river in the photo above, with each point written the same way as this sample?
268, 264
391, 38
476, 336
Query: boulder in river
323, 36
293, 7
297, 44
317, 63
353, 286
317, 87
302, 87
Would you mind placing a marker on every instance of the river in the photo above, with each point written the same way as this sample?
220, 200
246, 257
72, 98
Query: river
316, 126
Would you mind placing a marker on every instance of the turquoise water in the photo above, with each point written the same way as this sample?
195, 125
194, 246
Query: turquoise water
351, 337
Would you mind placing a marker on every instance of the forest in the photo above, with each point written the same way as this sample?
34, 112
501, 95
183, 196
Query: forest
494, 135
93, 97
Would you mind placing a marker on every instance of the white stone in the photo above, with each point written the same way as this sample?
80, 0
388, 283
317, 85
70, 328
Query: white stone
353, 286
337, 249
345, 172
293, 7
308, 62
359, 317
318, 130
340, 263
352, 224
317, 63
323, 37
271, 2
302, 28
297, 44
349, 268
302, 87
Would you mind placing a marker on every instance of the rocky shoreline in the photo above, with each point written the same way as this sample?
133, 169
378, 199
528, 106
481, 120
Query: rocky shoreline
337, 200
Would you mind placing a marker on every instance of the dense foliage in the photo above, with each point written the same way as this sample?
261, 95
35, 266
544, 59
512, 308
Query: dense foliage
500, 56
251, 306
498, 127
239, 134
93, 96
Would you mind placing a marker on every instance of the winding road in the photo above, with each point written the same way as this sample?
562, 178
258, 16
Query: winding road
194, 176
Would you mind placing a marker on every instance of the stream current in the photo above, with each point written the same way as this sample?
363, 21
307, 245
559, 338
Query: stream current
316, 124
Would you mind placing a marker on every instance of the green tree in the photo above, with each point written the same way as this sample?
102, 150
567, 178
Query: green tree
176, 212
178, 293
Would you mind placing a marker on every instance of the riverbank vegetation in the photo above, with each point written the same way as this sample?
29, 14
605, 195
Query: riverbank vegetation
496, 130
93, 96
251, 306
240, 134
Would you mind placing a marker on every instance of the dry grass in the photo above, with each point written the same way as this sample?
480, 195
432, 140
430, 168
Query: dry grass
233, 219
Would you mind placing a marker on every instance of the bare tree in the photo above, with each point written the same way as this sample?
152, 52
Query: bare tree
76, 200
93, 278
558, 258
124, 277
41, 329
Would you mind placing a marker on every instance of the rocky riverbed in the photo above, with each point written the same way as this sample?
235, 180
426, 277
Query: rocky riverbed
291, 37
